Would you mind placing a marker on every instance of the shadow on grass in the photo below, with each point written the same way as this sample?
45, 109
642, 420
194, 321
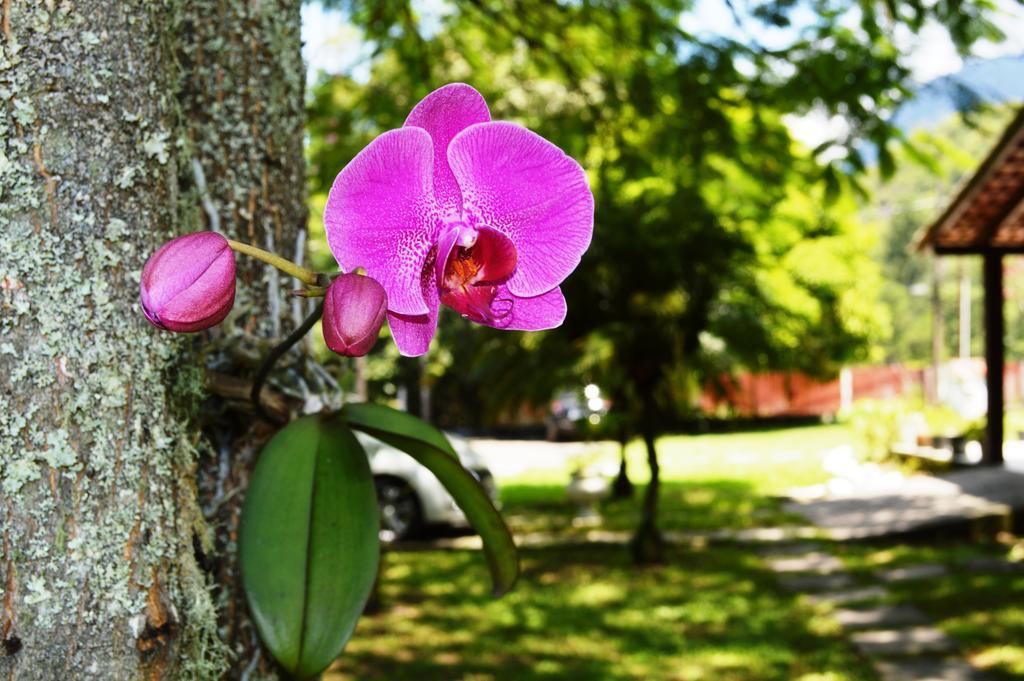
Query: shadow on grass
983, 612
586, 613
684, 506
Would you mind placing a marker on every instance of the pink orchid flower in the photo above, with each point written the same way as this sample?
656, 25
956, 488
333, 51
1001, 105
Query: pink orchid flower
483, 216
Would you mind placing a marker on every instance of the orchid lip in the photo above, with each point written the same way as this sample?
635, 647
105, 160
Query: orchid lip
469, 280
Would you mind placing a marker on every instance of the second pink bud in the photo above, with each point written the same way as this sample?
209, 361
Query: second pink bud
354, 311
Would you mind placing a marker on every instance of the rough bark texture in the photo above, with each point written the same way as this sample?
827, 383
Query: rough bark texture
123, 124
242, 98
242, 103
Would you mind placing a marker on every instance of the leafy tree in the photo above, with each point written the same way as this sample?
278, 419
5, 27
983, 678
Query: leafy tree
719, 241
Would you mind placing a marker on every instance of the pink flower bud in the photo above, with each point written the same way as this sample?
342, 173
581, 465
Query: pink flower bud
354, 311
189, 283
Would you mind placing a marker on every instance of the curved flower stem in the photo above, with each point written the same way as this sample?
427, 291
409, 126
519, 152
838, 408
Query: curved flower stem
276, 353
287, 266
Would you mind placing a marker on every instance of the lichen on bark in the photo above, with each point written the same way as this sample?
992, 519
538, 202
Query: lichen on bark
103, 533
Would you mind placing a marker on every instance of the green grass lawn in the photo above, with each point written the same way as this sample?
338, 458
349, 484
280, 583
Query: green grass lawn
710, 481
712, 612
983, 612
585, 613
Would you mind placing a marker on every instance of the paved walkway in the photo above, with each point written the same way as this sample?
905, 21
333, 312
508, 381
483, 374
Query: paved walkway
865, 501
900, 640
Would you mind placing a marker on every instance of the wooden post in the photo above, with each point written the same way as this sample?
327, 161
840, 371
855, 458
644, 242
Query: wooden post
994, 356
938, 333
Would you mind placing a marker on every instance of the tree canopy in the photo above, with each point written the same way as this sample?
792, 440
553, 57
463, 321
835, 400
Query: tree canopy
720, 242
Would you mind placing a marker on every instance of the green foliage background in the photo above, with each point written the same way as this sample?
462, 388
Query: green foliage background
720, 243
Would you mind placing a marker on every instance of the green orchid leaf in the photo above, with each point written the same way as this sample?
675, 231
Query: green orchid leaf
309, 542
431, 448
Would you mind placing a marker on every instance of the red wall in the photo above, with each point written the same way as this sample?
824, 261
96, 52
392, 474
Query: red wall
794, 394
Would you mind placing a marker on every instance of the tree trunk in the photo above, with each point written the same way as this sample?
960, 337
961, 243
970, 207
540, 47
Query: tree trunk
123, 124
242, 99
623, 486
648, 545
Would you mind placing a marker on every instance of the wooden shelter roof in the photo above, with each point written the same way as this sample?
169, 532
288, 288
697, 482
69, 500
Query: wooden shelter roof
988, 213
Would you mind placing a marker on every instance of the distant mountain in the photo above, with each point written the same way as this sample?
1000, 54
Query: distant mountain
992, 81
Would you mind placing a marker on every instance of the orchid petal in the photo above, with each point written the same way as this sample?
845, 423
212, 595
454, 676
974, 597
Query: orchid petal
444, 113
517, 182
381, 215
412, 333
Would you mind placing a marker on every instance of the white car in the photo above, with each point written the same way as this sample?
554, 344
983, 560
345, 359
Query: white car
410, 497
